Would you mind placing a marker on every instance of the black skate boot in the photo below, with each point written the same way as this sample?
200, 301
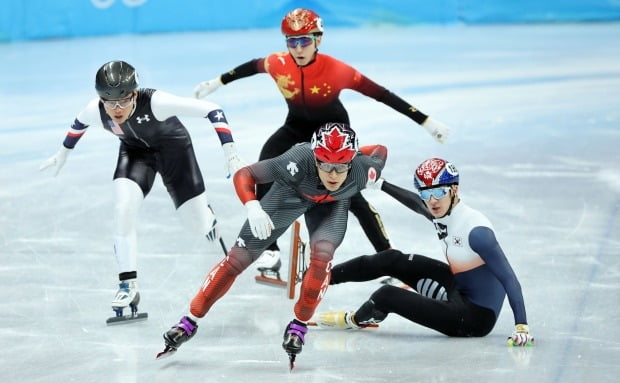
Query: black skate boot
294, 339
368, 314
177, 335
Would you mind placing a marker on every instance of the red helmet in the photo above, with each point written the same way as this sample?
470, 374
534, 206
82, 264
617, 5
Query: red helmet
334, 142
435, 172
301, 21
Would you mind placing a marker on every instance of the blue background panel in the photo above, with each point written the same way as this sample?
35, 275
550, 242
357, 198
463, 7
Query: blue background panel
42, 19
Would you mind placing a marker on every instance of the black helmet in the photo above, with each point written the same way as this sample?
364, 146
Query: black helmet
116, 80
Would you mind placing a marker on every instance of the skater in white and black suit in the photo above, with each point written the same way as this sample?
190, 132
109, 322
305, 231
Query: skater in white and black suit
460, 298
314, 179
152, 140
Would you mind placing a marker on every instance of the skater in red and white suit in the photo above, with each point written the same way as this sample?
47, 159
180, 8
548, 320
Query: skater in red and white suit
311, 83
314, 179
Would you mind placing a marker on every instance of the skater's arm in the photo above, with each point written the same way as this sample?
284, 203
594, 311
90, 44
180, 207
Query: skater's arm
259, 221
435, 128
246, 69
377, 152
166, 105
87, 117
408, 198
245, 185
482, 240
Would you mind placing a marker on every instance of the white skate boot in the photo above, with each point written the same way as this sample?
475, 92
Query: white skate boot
268, 264
126, 296
342, 320
346, 320
269, 260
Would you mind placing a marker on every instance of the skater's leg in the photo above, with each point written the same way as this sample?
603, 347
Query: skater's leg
222, 276
219, 280
129, 198
315, 281
198, 217
326, 225
216, 284
371, 222
133, 180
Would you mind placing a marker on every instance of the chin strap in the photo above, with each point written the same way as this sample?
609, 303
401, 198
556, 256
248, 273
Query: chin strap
133, 109
451, 204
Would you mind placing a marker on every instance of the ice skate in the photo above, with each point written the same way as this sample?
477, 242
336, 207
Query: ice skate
368, 315
341, 320
294, 340
126, 296
127, 293
269, 261
177, 335
269, 264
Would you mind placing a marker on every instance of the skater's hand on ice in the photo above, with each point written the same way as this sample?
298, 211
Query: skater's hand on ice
205, 88
260, 222
437, 129
233, 162
56, 161
521, 336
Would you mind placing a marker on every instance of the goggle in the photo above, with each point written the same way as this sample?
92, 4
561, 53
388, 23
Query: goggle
438, 193
329, 167
302, 41
122, 103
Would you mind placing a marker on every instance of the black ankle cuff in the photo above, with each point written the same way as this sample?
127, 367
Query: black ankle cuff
127, 275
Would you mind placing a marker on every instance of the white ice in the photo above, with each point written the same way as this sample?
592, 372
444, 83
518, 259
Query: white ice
535, 118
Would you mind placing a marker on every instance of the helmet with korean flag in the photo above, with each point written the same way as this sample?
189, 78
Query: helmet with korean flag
435, 172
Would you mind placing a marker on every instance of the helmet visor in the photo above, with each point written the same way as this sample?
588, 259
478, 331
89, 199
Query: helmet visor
302, 41
438, 193
329, 167
122, 103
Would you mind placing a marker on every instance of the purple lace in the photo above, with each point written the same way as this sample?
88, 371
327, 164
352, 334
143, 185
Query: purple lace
299, 330
186, 325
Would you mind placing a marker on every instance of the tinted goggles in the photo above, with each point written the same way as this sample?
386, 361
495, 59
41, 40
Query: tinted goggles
122, 103
329, 167
302, 41
438, 193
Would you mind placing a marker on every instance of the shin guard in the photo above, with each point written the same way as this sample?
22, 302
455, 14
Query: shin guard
218, 282
313, 289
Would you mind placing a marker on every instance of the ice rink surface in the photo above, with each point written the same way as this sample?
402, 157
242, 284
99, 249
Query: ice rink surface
535, 118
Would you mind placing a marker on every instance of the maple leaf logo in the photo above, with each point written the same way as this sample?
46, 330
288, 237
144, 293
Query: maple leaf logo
333, 144
335, 140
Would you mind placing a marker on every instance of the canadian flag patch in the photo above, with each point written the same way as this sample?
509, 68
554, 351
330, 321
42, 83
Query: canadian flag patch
372, 176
